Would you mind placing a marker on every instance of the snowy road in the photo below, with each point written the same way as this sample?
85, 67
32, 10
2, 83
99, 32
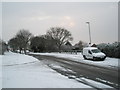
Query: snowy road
75, 70
108, 62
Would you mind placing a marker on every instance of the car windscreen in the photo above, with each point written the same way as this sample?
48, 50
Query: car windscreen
95, 50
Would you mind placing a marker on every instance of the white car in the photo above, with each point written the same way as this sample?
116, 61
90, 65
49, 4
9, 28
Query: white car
93, 53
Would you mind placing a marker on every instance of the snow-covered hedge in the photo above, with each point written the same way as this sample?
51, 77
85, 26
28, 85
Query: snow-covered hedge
111, 50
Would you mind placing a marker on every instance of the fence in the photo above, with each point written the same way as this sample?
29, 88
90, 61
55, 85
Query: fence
71, 51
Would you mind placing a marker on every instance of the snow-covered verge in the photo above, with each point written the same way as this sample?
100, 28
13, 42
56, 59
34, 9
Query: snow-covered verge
108, 62
22, 71
0, 72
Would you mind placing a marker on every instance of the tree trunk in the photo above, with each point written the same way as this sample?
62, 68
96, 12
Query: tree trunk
20, 50
24, 51
59, 47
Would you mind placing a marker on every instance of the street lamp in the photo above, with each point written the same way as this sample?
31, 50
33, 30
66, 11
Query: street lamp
89, 32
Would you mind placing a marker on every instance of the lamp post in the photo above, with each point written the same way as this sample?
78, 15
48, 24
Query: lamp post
89, 32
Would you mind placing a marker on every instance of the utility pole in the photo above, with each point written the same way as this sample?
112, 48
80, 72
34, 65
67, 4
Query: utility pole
89, 32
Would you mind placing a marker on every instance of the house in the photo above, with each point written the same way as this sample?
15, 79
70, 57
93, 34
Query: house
67, 46
3, 47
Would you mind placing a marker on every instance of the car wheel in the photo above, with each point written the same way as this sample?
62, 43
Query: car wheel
103, 58
84, 57
94, 58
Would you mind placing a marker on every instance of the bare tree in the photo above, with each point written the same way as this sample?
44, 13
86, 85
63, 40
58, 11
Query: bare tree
50, 44
80, 45
42, 43
13, 43
23, 37
59, 35
37, 44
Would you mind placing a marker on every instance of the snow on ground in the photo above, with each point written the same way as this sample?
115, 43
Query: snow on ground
16, 59
0, 72
93, 83
22, 71
108, 62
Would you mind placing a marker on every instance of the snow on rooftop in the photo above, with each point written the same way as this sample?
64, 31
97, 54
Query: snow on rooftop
90, 48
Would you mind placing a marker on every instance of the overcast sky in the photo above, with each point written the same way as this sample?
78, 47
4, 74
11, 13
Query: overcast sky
38, 17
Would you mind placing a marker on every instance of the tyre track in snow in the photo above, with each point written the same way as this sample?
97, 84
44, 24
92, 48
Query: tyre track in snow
19, 64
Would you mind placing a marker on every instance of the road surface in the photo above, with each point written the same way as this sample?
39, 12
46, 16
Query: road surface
73, 70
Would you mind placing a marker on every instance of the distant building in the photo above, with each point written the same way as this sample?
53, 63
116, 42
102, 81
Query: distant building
67, 46
68, 43
94, 45
76, 47
3, 47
